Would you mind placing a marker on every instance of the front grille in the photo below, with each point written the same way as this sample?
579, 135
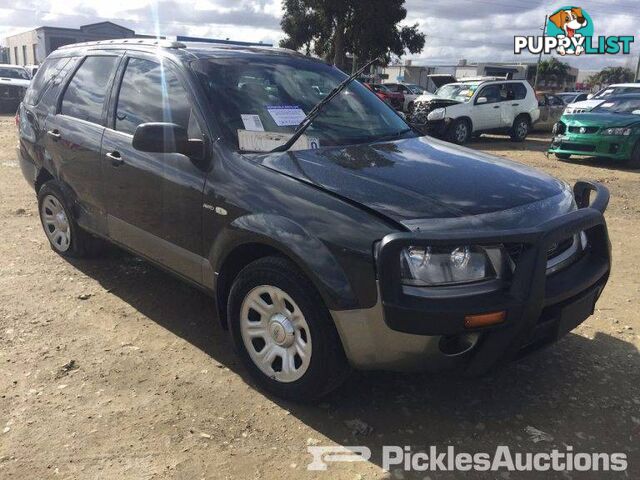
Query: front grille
584, 130
559, 254
577, 147
514, 250
558, 248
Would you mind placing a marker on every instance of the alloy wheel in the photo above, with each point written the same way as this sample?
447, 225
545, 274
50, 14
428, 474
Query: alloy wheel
56, 223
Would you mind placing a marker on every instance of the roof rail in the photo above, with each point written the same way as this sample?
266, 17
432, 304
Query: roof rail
155, 42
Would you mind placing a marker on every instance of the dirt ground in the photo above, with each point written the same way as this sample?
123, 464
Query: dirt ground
113, 369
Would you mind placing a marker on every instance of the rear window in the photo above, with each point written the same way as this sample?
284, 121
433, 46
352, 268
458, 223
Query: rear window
85, 94
50, 69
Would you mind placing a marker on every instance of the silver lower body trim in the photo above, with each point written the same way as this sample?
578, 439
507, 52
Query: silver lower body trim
371, 345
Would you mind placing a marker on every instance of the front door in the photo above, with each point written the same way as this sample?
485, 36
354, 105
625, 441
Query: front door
486, 116
155, 199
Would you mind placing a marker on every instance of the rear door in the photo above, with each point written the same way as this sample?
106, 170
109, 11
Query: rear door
155, 199
74, 134
515, 103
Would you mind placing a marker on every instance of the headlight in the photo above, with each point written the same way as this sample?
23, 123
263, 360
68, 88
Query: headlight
437, 114
431, 266
617, 131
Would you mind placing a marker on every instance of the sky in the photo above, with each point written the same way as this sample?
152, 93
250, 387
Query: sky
476, 30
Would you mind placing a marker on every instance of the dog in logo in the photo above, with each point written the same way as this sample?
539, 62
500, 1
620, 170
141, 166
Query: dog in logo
569, 21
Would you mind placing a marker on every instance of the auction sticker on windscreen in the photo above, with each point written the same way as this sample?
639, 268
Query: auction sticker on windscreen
286, 115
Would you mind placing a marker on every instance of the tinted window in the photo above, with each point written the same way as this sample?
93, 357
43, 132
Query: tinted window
85, 94
518, 91
150, 93
492, 93
46, 73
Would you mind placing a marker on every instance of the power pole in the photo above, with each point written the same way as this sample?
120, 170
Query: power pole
544, 33
637, 77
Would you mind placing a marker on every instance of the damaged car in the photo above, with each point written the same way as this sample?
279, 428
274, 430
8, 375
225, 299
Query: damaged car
330, 234
463, 110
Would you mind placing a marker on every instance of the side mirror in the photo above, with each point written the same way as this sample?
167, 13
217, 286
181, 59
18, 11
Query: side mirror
590, 96
161, 137
482, 100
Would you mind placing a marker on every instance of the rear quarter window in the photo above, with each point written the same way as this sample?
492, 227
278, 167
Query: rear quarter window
519, 91
49, 70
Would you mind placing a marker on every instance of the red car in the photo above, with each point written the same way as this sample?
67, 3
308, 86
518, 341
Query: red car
395, 99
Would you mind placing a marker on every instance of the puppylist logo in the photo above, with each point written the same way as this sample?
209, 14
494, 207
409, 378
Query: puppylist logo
570, 31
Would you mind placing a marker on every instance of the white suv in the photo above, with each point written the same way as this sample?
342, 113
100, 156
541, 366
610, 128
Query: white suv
465, 109
601, 96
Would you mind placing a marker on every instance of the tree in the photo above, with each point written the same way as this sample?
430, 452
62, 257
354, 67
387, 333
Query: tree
611, 75
555, 70
364, 28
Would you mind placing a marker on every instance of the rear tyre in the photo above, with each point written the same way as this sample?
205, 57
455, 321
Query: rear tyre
65, 237
459, 132
520, 129
634, 160
563, 156
283, 332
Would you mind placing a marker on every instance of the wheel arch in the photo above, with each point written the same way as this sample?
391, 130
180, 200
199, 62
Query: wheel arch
42, 177
256, 236
524, 114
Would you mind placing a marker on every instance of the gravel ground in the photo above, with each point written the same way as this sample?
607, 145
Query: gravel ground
114, 369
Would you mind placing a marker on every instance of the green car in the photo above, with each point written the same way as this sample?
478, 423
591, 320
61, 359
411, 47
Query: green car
611, 130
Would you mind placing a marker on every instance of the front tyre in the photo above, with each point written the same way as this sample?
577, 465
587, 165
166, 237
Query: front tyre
283, 332
65, 236
520, 129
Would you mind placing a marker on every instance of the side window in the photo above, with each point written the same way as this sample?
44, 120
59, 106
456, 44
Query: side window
151, 93
50, 69
492, 93
85, 94
518, 91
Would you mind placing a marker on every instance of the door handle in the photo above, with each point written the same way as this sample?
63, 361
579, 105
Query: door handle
497, 106
55, 134
515, 104
116, 158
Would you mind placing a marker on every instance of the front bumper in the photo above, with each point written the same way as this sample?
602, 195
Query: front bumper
596, 145
411, 328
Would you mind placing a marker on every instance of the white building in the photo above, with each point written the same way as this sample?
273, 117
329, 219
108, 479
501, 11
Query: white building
32, 47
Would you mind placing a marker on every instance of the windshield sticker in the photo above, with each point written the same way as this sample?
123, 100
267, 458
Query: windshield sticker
286, 115
252, 122
266, 141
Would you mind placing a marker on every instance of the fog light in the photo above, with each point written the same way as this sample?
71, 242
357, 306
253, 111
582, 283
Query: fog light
484, 319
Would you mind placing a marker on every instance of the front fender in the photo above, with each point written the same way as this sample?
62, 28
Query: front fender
309, 253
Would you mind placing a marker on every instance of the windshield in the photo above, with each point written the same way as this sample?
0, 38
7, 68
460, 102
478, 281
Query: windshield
18, 73
620, 105
415, 89
611, 91
260, 100
567, 97
461, 92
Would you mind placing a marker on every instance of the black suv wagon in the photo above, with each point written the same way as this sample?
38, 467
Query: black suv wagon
357, 243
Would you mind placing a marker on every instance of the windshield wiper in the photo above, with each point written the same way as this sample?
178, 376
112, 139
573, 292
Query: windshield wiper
315, 111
